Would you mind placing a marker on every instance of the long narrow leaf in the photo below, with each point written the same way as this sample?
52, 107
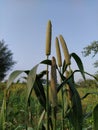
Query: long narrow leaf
31, 80
13, 76
41, 118
64, 67
79, 63
75, 115
88, 94
46, 62
95, 117
3, 115
39, 91
75, 110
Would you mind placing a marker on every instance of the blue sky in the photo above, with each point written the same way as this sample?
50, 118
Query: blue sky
23, 27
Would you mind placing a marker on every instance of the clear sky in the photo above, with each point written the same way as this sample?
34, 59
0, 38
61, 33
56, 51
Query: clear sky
23, 27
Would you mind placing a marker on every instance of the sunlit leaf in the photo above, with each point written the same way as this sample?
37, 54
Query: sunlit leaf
3, 115
41, 119
31, 80
13, 76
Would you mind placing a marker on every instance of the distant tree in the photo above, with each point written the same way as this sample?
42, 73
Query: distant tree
90, 83
6, 60
92, 48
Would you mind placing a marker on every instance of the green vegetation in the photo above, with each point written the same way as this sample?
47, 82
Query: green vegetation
50, 106
6, 60
16, 106
92, 48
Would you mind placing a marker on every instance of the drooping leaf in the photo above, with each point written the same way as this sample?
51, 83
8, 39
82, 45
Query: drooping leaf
13, 76
79, 63
31, 80
88, 94
92, 76
46, 62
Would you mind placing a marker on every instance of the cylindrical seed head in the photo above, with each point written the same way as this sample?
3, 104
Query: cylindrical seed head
58, 52
48, 38
53, 88
65, 50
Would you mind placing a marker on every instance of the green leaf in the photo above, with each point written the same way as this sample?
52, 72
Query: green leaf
64, 67
95, 117
41, 118
46, 62
31, 80
79, 63
39, 91
3, 115
75, 114
88, 94
13, 76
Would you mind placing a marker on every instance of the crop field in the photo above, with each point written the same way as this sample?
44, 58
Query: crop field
16, 106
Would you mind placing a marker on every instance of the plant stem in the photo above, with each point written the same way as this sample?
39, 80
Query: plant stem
47, 99
62, 94
62, 109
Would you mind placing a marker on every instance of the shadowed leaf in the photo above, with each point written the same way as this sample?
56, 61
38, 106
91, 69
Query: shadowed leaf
39, 91
79, 63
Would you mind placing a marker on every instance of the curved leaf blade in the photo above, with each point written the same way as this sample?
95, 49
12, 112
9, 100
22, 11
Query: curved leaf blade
31, 80
13, 76
46, 62
88, 94
79, 63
